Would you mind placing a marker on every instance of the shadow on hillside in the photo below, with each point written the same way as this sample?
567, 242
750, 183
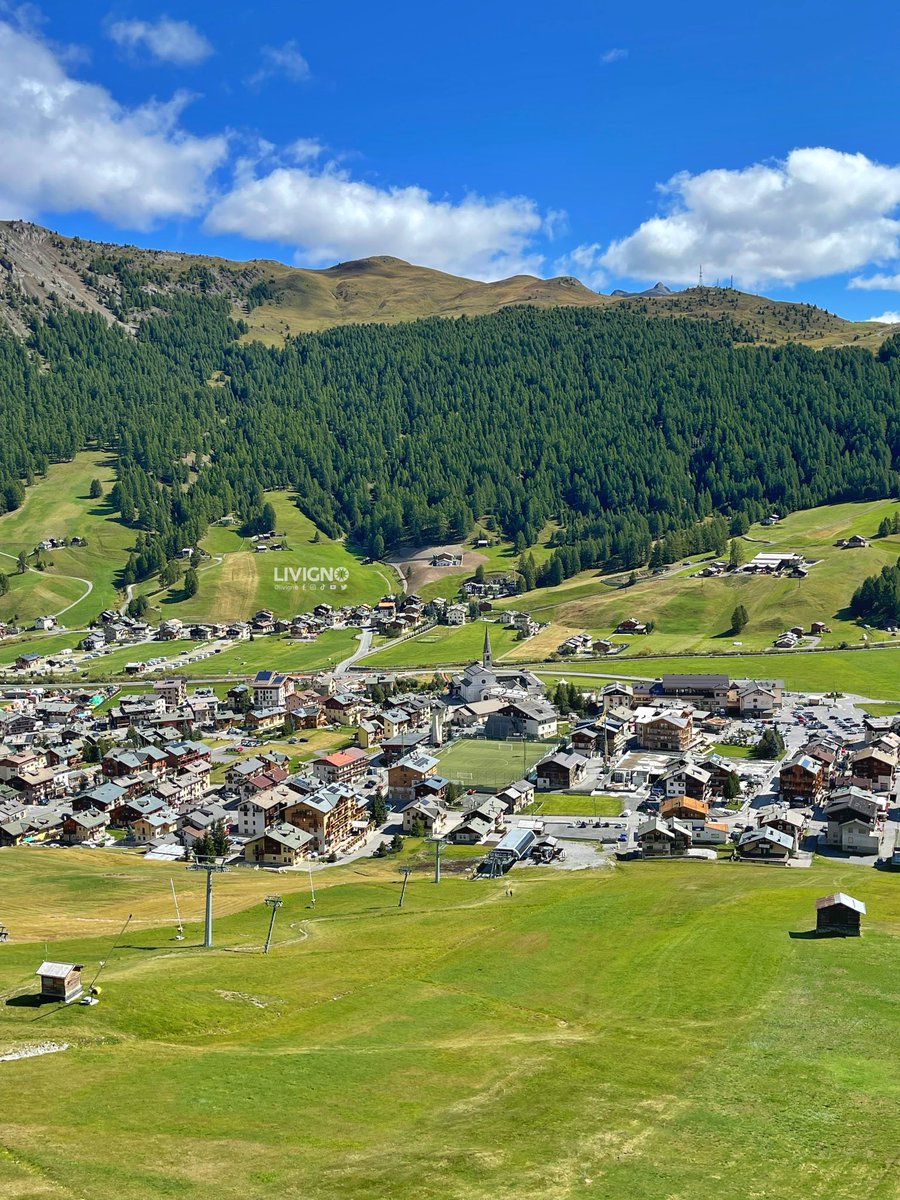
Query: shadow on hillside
30, 1000
812, 935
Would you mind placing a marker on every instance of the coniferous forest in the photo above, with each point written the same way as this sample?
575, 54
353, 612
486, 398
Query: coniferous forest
625, 431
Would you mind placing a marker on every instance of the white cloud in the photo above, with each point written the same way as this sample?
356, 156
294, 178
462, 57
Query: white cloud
285, 61
167, 40
876, 283
584, 262
329, 216
818, 212
887, 318
68, 145
304, 150
616, 54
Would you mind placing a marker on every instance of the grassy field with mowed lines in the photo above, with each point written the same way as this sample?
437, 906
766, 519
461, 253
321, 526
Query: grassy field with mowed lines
649, 1030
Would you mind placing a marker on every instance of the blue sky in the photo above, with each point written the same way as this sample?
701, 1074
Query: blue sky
619, 143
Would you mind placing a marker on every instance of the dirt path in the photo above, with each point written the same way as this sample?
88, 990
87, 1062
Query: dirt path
89, 587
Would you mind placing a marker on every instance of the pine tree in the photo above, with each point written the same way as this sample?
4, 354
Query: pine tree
739, 619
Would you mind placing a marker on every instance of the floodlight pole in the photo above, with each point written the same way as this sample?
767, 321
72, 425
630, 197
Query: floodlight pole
274, 902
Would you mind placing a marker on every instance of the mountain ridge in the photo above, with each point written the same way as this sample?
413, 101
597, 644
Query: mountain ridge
41, 270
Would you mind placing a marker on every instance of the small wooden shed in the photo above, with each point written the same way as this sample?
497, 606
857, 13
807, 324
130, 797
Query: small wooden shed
839, 913
60, 981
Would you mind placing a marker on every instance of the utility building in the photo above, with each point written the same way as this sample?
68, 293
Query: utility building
60, 981
839, 913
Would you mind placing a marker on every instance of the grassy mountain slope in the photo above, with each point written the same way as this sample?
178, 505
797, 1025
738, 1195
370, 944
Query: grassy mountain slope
40, 269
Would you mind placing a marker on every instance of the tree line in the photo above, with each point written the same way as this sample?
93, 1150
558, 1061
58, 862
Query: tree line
643, 440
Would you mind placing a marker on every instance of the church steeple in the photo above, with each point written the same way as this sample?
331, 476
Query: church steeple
487, 660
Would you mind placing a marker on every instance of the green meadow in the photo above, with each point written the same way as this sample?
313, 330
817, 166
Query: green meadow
694, 614
78, 579
647, 1030
576, 804
445, 645
873, 673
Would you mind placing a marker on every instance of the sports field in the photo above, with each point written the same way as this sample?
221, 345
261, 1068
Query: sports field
646, 1031
490, 765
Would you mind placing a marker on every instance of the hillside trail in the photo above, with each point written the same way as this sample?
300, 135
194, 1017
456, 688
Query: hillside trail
89, 587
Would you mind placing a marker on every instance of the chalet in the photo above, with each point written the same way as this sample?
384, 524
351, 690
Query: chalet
14, 832
524, 623
154, 826
683, 808
664, 729
839, 914
819, 627
876, 727
344, 766
343, 707
560, 771
588, 740
787, 822
689, 780
471, 831
108, 798
398, 747
851, 822
271, 689
874, 767
278, 846
664, 839
333, 816
801, 780
766, 843
433, 817
86, 826
445, 559
60, 981
856, 542
260, 719
823, 752
516, 796
631, 625
617, 695
404, 775
257, 812
709, 691
534, 719
29, 662
172, 692
757, 697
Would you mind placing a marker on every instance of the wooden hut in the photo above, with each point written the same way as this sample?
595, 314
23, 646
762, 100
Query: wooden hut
60, 981
839, 913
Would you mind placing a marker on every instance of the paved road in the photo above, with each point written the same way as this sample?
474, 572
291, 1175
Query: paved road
365, 642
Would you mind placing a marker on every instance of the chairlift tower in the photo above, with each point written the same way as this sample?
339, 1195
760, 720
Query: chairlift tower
210, 866
439, 844
274, 902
